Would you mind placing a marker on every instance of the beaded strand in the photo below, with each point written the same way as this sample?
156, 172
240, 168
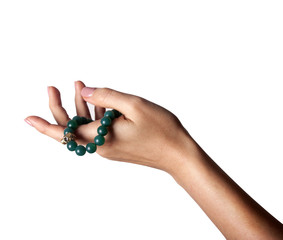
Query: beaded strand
99, 140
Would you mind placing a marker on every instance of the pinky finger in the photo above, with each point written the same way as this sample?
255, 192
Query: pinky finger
44, 127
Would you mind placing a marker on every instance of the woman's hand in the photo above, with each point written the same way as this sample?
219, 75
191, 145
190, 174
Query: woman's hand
150, 135
145, 134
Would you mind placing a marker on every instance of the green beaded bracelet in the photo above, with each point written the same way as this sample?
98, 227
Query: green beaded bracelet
99, 140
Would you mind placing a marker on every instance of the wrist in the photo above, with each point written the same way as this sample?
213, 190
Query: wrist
183, 156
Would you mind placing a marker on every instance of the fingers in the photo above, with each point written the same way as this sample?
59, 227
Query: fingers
55, 105
44, 127
108, 98
81, 105
99, 112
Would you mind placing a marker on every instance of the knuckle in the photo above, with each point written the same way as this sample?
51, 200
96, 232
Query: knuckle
53, 106
104, 94
43, 130
137, 104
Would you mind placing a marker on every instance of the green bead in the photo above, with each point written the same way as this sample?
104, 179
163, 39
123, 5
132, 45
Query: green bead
72, 145
72, 124
90, 147
89, 120
109, 114
99, 140
105, 121
116, 113
102, 130
80, 150
84, 120
78, 119
68, 130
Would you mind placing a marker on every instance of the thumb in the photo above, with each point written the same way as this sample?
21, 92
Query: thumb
108, 98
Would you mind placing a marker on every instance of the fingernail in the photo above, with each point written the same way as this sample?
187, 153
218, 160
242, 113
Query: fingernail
87, 92
76, 84
28, 122
48, 87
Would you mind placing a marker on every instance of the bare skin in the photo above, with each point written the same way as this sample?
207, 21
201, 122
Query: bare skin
148, 134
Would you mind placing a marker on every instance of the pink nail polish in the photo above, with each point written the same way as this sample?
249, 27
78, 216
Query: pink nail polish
87, 92
28, 122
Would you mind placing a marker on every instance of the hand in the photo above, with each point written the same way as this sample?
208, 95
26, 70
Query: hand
145, 134
148, 134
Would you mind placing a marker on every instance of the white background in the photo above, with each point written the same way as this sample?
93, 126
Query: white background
217, 65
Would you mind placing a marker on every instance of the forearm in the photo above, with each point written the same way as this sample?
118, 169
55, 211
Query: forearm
232, 210
150, 135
